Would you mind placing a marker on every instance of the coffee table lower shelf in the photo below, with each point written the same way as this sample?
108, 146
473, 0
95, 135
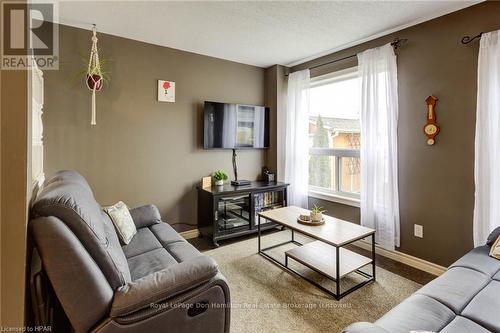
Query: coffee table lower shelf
321, 258
324, 259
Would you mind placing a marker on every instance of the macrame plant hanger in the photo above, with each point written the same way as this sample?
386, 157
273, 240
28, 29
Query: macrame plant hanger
94, 75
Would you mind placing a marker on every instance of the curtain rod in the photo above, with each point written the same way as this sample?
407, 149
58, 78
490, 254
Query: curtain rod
396, 44
469, 39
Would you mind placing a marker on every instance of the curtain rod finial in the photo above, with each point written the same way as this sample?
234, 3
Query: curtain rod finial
398, 42
468, 39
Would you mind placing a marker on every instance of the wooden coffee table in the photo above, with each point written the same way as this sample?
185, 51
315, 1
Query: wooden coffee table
327, 254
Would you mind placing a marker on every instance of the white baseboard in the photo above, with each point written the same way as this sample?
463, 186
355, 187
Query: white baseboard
404, 258
193, 233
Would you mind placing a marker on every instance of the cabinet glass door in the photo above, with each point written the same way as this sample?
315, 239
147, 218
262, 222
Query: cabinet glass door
233, 213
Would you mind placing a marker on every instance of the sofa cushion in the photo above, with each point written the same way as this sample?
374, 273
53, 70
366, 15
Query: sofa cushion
157, 247
485, 307
76, 206
150, 262
69, 176
68, 198
478, 259
165, 233
144, 241
162, 285
456, 287
417, 313
115, 251
464, 325
182, 251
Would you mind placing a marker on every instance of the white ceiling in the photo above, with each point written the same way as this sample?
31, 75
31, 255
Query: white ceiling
258, 33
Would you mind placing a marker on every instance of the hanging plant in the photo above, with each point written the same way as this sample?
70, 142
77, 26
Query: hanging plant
105, 63
94, 78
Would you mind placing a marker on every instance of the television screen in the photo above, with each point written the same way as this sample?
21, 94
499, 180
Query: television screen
235, 126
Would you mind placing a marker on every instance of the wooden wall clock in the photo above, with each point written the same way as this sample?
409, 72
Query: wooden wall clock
431, 129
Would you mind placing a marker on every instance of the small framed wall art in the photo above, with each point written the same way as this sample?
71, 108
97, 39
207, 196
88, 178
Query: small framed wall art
166, 91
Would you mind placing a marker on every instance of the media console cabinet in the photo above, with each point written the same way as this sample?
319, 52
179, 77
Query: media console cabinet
229, 211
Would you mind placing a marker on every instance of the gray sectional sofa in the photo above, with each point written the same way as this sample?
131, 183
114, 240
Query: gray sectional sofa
465, 299
156, 283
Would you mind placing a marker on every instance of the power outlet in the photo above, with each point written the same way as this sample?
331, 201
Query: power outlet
418, 230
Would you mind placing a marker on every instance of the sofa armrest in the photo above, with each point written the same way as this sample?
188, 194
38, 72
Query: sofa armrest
162, 285
145, 216
364, 327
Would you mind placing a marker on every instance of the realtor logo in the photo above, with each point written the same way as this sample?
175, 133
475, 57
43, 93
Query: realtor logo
28, 36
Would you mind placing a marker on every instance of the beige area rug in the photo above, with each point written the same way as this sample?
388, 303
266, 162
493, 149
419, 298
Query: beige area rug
266, 298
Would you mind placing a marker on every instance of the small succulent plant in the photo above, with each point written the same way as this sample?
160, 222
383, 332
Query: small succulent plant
317, 209
219, 175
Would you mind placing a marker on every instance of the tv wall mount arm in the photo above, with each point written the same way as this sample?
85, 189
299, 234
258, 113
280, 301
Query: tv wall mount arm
235, 167
237, 182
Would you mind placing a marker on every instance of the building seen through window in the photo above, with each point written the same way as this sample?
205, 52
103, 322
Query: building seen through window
334, 134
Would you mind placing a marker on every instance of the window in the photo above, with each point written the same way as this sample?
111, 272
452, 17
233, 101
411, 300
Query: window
334, 134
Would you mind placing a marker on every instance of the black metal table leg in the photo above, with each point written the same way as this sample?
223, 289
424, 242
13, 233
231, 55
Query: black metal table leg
258, 232
337, 271
373, 256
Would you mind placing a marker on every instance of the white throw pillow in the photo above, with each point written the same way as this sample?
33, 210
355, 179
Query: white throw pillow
122, 220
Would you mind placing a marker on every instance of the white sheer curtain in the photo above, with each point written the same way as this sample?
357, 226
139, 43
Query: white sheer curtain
487, 142
379, 151
294, 142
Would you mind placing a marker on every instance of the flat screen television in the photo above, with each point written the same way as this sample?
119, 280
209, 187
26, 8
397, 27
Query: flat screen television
235, 126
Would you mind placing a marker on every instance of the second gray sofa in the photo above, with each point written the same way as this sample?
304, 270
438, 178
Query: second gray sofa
156, 283
465, 299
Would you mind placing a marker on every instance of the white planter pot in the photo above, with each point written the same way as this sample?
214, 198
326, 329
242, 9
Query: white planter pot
219, 182
316, 217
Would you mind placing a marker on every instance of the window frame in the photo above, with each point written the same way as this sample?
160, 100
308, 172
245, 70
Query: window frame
335, 195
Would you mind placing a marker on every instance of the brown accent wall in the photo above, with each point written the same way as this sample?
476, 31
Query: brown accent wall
275, 93
15, 195
436, 184
141, 150
14, 157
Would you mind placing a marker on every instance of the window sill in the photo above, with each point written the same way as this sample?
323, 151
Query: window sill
334, 198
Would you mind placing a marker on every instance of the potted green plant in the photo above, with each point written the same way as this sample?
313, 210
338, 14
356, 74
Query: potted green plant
219, 176
317, 213
94, 79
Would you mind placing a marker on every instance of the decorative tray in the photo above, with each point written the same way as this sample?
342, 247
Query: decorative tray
310, 222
